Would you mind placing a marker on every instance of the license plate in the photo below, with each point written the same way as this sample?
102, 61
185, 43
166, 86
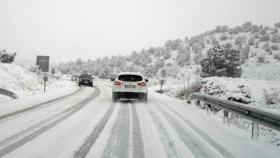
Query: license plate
129, 86
86, 81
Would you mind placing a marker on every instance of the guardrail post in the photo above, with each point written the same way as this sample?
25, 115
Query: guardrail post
255, 131
208, 110
225, 118
197, 103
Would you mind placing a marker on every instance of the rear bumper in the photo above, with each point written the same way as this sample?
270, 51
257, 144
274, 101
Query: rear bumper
129, 94
85, 82
126, 90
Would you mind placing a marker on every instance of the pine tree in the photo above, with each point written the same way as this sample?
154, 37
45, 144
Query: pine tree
222, 61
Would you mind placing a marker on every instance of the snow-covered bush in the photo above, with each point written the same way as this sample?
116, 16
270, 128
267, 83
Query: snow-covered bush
275, 39
222, 61
7, 57
261, 59
263, 31
272, 96
265, 37
235, 30
277, 24
277, 56
267, 47
215, 42
197, 58
226, 88
159, 64
185, 92
223, 37
174, 44
183, 58
274, 47
244, 53
246, 27
221, 29
251, 41
256, 44
239, 41
105, 73
255, 29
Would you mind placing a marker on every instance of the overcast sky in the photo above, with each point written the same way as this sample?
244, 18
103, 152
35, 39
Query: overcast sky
70, 29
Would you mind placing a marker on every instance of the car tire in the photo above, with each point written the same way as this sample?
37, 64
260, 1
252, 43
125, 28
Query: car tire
145, 98
114, 97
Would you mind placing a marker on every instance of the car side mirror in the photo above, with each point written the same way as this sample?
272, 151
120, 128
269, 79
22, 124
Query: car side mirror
146, 80
112, 79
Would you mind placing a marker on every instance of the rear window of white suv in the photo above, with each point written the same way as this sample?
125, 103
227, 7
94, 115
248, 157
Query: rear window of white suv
130, 78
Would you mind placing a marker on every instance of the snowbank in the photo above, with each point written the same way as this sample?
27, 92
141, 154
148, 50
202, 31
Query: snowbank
250, 91
24, 83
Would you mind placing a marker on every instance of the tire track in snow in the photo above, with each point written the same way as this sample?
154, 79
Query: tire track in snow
118, 143
38, 106
185, 137
89, 142
164, 136
25, 136
138, 148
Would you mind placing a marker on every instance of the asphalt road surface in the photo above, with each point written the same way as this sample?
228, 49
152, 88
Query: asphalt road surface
88, 124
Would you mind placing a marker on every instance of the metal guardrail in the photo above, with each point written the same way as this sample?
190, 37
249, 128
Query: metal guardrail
255, 115
8, 93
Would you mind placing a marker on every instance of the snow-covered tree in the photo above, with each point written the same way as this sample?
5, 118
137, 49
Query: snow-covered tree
159, 64
265, 37
239, 41
244, 53
222, 61
7, 57
246, 27
174, 44
183, 58
223, 37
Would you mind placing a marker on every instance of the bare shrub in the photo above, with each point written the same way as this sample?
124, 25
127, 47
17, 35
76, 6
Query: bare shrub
185, 92
271, 97
274, 47
277, 56
261, 59
224, 37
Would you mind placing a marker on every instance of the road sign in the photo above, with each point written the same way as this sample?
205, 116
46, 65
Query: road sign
43, 63
45, 78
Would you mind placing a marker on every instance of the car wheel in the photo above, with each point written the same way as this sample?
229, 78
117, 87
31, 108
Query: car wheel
114, 97
145, 98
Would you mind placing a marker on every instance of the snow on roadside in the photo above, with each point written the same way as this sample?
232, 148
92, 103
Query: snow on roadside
250, 91
18, 80
8, 106
24, 83
244, 90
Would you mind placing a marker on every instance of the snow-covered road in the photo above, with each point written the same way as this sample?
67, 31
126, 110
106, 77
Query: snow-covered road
88, 124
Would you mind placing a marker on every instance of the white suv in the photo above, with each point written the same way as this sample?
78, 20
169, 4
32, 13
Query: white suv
130, 85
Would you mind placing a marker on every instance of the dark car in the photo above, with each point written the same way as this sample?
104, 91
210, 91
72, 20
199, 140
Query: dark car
86, 79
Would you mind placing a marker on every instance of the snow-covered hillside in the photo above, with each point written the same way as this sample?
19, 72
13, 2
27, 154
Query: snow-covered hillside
259, 50
25, 83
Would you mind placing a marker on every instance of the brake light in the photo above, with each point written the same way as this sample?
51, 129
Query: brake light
117, 83
142, 84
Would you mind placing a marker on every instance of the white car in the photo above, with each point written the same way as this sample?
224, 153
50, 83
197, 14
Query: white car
130, 85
